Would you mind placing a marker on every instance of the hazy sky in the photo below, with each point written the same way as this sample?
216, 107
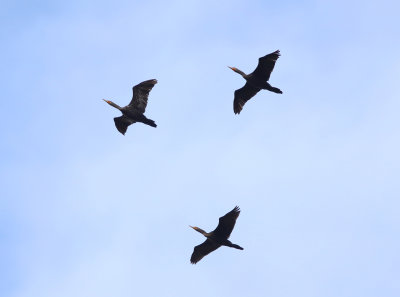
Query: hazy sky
86, 211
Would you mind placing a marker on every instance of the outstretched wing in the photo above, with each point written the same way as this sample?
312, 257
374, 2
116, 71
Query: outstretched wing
226, 223
122, 123
141, 94
203, 250
243, 95
266, 65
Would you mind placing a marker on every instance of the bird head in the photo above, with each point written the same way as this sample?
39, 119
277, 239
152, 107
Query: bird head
112, 104
197, 229
237, 71
200, 230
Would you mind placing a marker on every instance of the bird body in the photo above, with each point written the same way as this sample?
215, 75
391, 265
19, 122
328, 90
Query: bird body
218, 237
137, 116
255, 81
134, 111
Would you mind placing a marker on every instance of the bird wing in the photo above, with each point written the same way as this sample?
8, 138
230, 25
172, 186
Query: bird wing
203, 250
141, 94
122, 123
266, 65
243, 95
226, 223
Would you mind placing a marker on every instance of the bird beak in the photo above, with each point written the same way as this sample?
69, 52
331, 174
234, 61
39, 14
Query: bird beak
231, 68
106, 101
191, 227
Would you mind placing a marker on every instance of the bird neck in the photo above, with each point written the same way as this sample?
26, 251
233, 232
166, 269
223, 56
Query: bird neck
240, 72
202, 231
115, 105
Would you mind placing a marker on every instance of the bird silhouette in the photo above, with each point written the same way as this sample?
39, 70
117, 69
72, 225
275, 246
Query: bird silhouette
216, 238
255, 81
134, 111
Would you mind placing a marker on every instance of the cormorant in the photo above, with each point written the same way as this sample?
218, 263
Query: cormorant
134, 112
255, 81
217, 237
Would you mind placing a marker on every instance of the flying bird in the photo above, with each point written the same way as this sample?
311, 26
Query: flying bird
134, 111
216, 238
255, 81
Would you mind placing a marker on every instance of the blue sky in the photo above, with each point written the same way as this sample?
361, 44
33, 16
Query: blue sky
86, 211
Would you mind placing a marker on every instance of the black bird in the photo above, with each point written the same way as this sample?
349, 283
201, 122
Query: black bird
217, 237
255, 81
134, 112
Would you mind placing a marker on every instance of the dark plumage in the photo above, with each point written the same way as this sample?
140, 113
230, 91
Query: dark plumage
255, 81
217, 237
134, 112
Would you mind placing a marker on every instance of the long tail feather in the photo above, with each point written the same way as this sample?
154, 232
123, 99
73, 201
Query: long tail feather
150, 123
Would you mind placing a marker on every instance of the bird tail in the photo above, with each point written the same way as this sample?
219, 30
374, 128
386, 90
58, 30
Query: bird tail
236, 246
276, 90
272, 89
150, 123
